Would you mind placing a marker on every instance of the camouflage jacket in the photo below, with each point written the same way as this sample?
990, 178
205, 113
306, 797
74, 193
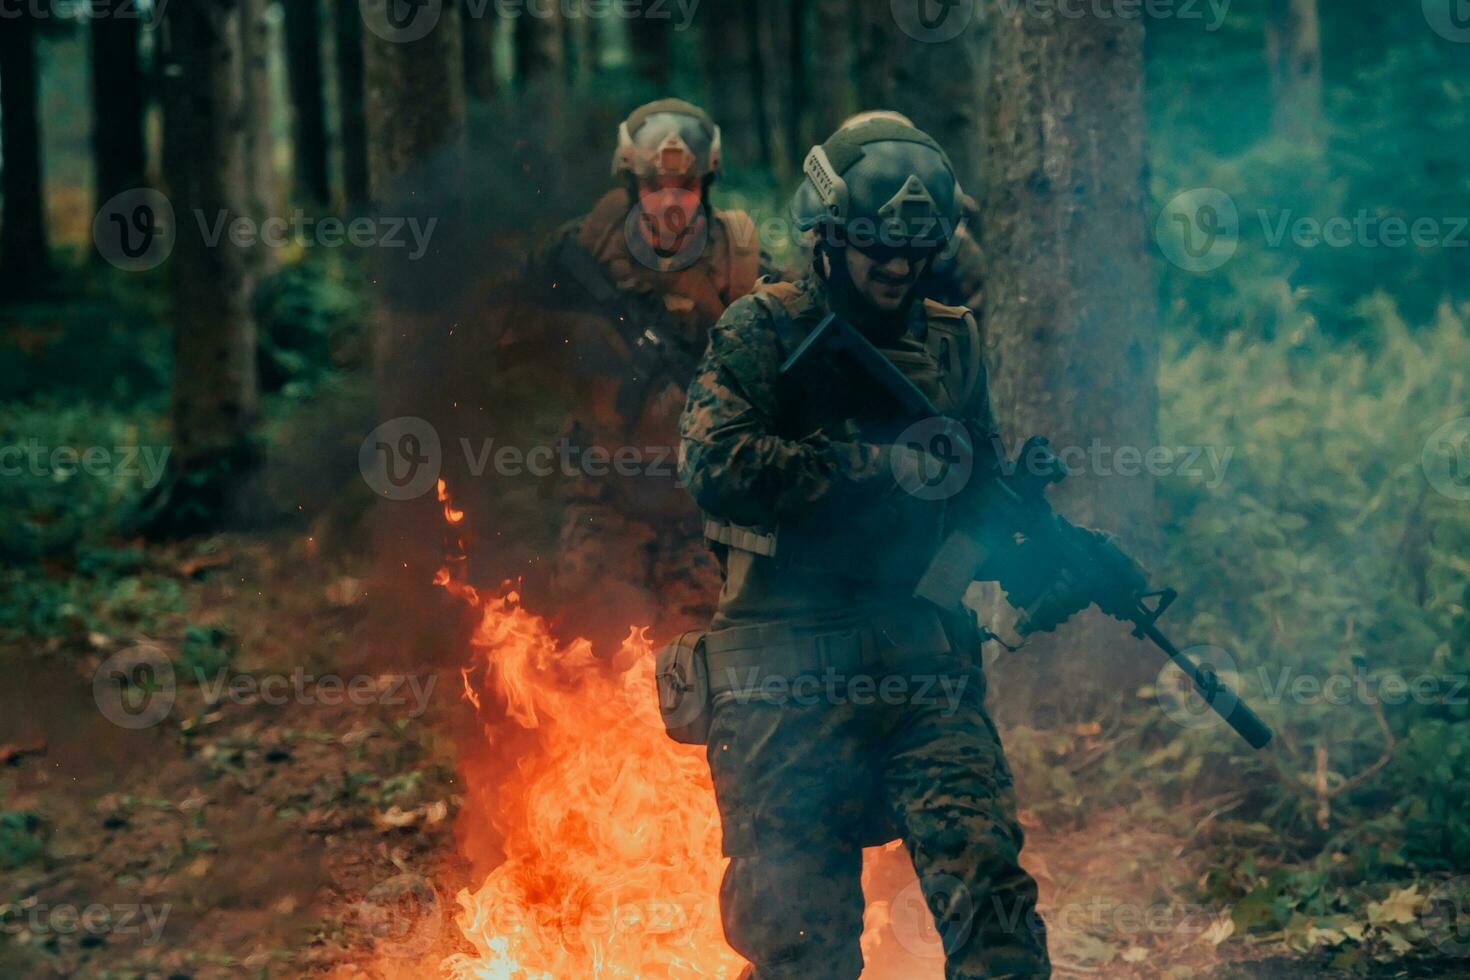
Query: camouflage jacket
782, 464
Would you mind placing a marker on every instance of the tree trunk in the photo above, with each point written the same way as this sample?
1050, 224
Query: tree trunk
830, 88
352, 122
24, 256
119, 153
1070, 311
262, 188
540, 54
648, 41
774, 54
478, 33
540, 73
875, 43
1294, 53
205, 154
935, 85
415, 101
308, 100
733, 81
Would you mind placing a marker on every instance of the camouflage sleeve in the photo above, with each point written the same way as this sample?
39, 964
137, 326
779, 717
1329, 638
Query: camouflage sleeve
729, 457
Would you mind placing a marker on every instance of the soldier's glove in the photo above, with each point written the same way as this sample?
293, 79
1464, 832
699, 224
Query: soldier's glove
1046, 595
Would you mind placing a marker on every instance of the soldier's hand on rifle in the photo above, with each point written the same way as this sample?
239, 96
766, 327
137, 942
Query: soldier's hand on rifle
1047, 596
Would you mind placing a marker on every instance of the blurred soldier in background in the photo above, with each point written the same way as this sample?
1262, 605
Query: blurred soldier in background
632, 289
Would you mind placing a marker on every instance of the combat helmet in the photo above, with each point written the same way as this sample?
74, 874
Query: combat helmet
668, 138
879, 182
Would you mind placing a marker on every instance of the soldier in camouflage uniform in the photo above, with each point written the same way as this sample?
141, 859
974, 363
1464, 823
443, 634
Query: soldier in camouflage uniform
846, 713
634, 287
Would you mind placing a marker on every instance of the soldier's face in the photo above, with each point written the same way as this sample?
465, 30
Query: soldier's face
884, 281
669, 213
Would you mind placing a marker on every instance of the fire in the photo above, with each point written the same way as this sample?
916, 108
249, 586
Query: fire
608, 830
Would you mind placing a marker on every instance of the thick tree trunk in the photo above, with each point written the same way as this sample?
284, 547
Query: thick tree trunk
308, 100
214, 396
478, 34
729, 52
352, 121
1294, 54
262, 188
415, 101
24, 256
1070, 314
119, 152
829, 89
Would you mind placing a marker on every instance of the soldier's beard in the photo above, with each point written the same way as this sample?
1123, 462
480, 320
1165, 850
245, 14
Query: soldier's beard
853, 305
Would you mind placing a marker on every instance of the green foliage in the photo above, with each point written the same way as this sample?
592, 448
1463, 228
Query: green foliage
20, 838
1327, 554
207, 651
69, 469
309, 317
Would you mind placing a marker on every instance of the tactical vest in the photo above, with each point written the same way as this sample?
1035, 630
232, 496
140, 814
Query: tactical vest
695, 296
941, 354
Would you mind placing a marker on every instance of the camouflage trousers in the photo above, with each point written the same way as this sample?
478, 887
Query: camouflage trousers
802, 787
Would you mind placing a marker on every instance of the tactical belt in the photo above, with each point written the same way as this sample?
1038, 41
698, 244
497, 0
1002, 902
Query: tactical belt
740, 538
742, 657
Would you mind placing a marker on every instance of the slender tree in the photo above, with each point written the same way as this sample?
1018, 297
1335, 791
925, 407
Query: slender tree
733, 82
934, 84
24, 255
829, 90
1070, 313
308, 100
775, 52
480, 22
262, 186
352, 115
1294, 54
648, 41
215, 386
119, 150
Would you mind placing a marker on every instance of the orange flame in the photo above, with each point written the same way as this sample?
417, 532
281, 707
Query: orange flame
608, 830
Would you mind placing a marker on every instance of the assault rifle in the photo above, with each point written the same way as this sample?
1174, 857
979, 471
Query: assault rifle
1003, 501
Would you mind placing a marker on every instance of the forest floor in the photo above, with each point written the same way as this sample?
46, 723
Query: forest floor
176, 850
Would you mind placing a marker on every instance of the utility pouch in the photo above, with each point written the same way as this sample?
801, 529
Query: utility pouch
682, 674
